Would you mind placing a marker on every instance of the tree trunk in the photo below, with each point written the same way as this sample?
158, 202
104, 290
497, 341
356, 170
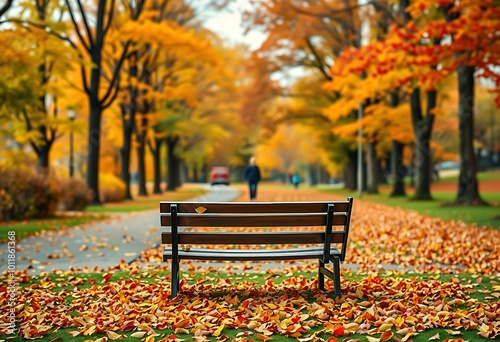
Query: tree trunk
128, 120
95, 106
422, 128
93, 149
157, 165
398, 187
196, 176
350, 171
382, 170
125, 150
43, 161
172, 163
468, 192
372, 168
43, 145
141, 162
182, 175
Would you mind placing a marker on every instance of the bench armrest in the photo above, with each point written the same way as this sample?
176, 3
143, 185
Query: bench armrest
328, 232
174, 229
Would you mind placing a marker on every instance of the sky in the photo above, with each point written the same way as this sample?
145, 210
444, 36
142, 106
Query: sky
227, 24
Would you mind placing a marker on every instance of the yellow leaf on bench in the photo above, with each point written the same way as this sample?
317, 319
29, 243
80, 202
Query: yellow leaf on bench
200, 210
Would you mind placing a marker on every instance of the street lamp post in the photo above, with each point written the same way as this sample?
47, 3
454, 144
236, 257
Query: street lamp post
71, 116
360, 151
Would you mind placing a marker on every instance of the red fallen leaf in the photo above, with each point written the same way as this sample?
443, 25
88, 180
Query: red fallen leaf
92, 281
339, 331
128, 325
386, 336
332, 339
35, 306
106, 276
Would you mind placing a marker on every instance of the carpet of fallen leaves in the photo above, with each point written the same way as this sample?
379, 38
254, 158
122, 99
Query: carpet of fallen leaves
390, 308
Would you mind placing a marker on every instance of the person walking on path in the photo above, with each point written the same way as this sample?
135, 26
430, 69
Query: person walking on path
296, 180
252, 176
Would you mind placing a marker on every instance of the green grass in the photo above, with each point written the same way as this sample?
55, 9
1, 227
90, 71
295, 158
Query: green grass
31, 227
140, 203
481, 215
440, 206
87, 280
481, 176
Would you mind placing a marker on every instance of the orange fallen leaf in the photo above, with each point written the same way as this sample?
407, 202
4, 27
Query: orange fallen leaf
386, 336
263, 337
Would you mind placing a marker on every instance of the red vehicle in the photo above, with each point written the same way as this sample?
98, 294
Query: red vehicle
219, 175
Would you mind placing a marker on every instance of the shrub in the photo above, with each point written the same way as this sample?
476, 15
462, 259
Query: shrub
74, 194
26, 195
111, 188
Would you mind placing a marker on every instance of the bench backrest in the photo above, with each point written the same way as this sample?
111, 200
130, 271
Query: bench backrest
334, 216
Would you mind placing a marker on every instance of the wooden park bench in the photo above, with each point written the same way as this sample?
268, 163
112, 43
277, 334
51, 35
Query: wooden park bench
327, 245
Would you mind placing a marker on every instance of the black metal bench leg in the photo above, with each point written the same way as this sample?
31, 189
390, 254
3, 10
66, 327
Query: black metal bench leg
336, 280
321, 276
174, 287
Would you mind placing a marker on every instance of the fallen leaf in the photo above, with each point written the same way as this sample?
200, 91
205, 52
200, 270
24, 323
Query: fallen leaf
434, 338
138, 334
200, 210
113, 336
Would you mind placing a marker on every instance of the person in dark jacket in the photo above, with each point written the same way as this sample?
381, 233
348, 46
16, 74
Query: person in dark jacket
252, 176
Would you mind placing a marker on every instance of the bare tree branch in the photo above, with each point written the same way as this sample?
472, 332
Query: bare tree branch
75, 24
321, 64
85, 22
110, 17
113, 87
5, 7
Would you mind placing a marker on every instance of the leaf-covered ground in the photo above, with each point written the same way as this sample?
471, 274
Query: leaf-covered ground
456, 298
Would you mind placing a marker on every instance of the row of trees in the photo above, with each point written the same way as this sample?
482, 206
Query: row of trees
171, 81
392, 61
150, 83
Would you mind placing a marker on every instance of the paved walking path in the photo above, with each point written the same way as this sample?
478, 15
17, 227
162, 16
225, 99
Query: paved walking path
99, 244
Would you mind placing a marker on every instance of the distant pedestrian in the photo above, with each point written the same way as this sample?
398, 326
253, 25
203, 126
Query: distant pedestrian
252, 176
296, 180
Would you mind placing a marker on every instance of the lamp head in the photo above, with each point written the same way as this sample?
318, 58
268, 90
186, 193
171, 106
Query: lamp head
71, 114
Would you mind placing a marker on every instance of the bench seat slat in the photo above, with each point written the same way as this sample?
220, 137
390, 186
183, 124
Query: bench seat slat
249, 254
256, 207
235, 220
257, 238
